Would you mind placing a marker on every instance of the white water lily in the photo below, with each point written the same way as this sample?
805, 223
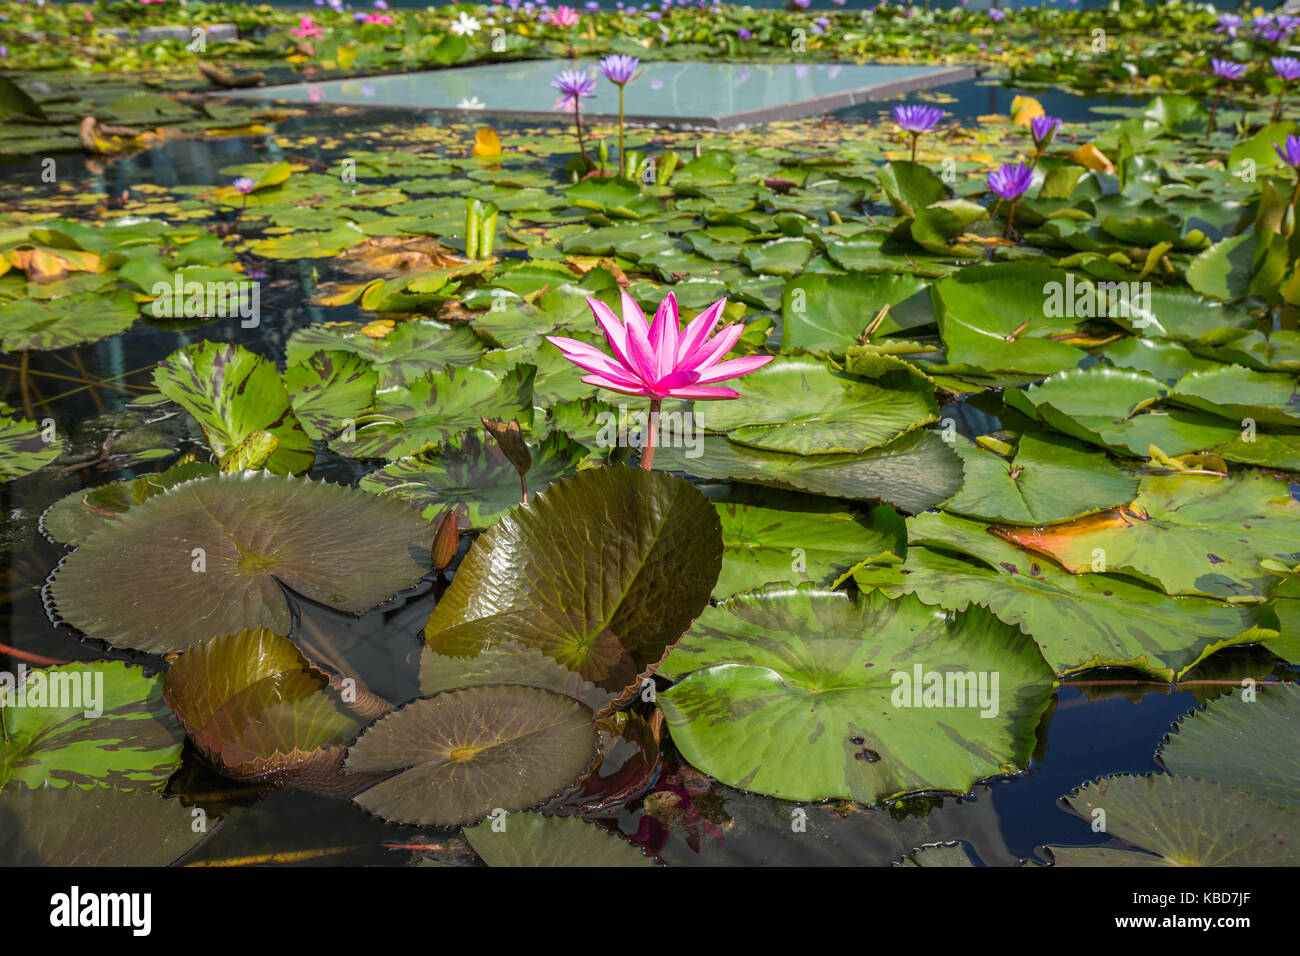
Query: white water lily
471, 103
465, 25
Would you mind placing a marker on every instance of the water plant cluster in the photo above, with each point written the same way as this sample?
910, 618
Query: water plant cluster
635, 496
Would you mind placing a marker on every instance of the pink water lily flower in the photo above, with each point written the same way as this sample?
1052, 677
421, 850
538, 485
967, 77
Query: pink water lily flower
564, 17
306, 28
661, 360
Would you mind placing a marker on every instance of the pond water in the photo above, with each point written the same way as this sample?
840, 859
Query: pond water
713, 94
1094, 728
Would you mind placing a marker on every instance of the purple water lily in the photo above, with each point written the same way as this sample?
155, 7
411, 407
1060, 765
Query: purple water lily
619, 67
1268, 28
915, 119
574, 86
1009, 182
744, 34
244, 185
1228, 69
995, 15
1288, 68
1290, 152
1229, 23
1044, 130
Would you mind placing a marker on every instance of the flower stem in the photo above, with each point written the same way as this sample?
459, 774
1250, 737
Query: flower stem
915, 137
1011, 216
621, 160
1214, 105
1277, 107
577, 119
651, 429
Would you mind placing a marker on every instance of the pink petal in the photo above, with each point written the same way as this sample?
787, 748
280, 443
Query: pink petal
677, 379
640, 352
663, 335
614, 386
701, 328
703, 392
632, 314
715, 348
615, 334
603, 365
740, 366
591, 358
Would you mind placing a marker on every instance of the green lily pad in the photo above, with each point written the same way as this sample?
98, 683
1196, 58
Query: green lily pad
234, 394
799, 405
1178, 821
938, 854
983, 311
530, 839
101, 724
614, 196
428, 411
1249, 745
1104, 406
807, 694
829, 313
1185, 316
466, 753
23, 446
1047, 479
329, 388
1167, 361
1224, 270
1184, 533
257, 709
912, 473
34, 324
603, 571
101, 827
470, 475
223, 545
73, 517
771, 536
1079, 621
410, 350
1237, 393
505, 662
310, 245
786, 256
910, 187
